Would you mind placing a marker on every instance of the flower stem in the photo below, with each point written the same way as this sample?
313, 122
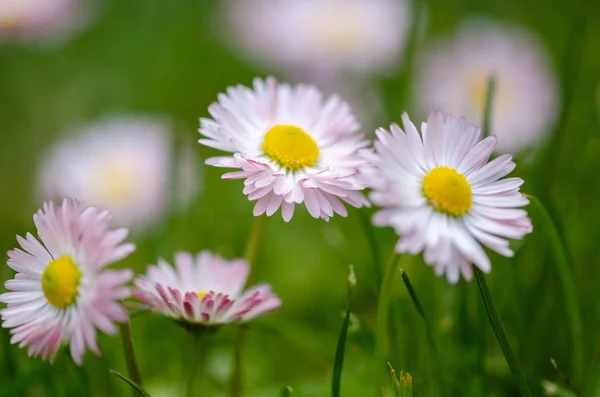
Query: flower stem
381, 336
193, 366
129, 353
500, 334
487, 117
434, 354
564, 268
236, 378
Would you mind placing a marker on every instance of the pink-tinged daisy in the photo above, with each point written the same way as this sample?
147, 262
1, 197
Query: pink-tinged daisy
291, 146
453, 77
61, 292
443, 196
205, 290
39, 19
321, 38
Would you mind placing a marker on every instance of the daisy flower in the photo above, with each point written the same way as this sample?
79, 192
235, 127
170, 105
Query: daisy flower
121, 163
61, 292
443, 196
453, 77
321, 36
204, 290
291, 146
39, 19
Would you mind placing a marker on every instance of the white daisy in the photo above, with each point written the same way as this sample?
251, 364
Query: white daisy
204, 290
61, 292
291, 146
453, 76
122, 163
321, 36
39, 19
442, 196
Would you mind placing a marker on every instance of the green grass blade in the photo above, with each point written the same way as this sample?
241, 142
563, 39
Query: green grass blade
341, 344
564, 268
131, 383
287, 391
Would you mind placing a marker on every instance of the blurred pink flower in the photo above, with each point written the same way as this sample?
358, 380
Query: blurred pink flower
122, 163
320, 36
443, 196
204, 290
292, 147
453, 76
39, 20
61, 292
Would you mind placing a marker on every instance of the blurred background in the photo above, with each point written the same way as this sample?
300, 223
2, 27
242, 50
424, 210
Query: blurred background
101, 100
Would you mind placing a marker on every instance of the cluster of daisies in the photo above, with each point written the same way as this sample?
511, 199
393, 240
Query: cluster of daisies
436, 186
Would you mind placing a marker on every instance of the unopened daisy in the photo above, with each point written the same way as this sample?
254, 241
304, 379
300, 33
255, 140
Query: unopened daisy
204, 290
321, 36
454, 76
291, 146
122, 163
61, 292
38, 19
443, 196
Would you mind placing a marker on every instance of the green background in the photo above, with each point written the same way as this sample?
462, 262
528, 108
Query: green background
167, 57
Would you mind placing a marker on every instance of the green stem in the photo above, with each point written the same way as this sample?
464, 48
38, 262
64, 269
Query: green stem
500, 334
565, 273
341, 344
373, 245
487, 116
255, 237
129, 353
236, 378
381, 336
193, 366
415, 300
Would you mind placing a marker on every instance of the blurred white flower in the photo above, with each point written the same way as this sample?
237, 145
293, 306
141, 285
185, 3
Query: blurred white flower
39, 19
321, 36
453, 76
122, 163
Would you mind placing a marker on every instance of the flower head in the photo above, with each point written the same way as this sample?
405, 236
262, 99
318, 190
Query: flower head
121, 163
453, 77
61, 292
443, 196
41, 19
204, 290
291, 147
321, 36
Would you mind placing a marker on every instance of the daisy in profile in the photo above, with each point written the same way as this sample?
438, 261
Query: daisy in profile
204, 290
39, 19
453, 77
321, 36
61, 293
443, 196
122, 163
291, 146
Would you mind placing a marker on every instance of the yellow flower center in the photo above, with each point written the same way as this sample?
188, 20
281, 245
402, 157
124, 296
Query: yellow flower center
115, 182
447, 191
201, 294
60, 281
290, 147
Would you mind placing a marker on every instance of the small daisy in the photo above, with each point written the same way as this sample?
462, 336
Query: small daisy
321, 36
121, 163
291, 147
38, 19
61, 292
442, 196
453, 76
204, 290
